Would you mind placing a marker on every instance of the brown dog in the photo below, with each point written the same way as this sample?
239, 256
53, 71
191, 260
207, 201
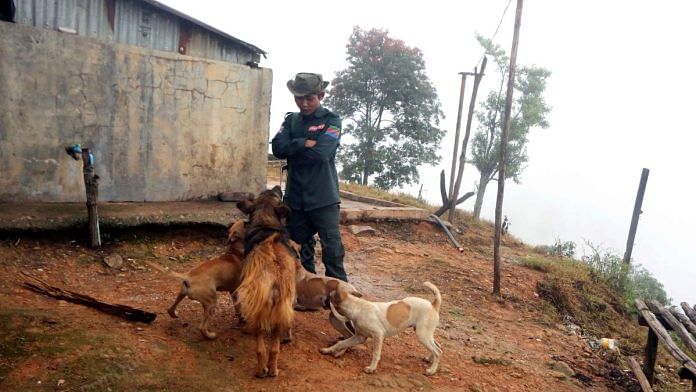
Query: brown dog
267, 291
204, 281
313, 294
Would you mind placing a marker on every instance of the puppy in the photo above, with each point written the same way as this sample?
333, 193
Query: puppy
379, 320
220, 274
313, 294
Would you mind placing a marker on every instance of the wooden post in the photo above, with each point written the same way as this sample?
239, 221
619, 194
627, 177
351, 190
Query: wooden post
640, 376
650, 356
636, 214
458, 128
503, 149
92, 191
462, 157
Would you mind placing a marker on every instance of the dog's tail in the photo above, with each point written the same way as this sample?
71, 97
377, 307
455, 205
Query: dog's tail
438, 297
183, 277
267, 291
338, 316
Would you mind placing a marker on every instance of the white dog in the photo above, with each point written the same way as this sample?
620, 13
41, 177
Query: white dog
379, 320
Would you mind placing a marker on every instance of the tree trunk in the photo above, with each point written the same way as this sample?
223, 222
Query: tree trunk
480, 192
364, 174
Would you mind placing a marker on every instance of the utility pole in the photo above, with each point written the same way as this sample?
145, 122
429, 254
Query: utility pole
636, 215
503, 149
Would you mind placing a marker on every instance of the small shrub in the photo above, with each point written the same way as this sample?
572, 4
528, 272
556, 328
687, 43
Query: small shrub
630, 281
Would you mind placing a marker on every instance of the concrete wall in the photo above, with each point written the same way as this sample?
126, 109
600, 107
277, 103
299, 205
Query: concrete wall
162, 126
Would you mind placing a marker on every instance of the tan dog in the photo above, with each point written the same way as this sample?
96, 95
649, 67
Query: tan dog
267, 291
379, 320
204, 281
313, 294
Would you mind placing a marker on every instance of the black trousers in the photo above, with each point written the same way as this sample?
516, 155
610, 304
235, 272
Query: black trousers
302, 226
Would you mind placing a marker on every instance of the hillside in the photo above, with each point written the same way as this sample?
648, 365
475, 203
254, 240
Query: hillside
540, 335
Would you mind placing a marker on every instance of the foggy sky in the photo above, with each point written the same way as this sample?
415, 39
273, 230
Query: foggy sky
620, 91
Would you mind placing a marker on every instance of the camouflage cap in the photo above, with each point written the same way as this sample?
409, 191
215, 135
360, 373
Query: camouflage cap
306, 83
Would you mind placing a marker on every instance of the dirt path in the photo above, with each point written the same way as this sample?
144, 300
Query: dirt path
489, 344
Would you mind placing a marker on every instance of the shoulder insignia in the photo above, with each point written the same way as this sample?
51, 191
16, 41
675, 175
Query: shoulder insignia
333, 132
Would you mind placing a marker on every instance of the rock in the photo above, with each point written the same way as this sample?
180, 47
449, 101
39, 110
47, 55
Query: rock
561, 367
358, 230
113, 261
60, 383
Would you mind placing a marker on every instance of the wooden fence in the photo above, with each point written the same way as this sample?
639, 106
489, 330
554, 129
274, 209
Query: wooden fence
660, 320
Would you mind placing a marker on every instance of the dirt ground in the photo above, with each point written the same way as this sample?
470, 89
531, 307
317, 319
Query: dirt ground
489, 343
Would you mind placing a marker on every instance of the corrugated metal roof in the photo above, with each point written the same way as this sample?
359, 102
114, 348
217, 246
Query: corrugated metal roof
137, 25
145, 23
85, 17
195, 21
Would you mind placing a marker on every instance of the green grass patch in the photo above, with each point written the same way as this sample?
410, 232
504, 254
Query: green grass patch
381, 194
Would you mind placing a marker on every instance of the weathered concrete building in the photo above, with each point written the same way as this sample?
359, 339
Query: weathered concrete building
173, 109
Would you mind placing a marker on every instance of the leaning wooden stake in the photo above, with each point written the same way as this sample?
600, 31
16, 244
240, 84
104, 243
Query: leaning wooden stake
677, 327
503, 149
689, 311
640, 376
690, 326
124, 311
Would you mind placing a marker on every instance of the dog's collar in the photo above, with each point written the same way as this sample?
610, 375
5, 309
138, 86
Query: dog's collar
256, 235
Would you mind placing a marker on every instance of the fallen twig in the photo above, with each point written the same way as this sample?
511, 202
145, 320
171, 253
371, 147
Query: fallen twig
123, 311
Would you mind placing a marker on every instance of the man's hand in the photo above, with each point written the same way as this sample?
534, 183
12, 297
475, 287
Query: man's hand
310, 143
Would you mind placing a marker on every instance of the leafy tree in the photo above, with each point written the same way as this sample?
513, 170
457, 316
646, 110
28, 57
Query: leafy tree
529, 110
389, 106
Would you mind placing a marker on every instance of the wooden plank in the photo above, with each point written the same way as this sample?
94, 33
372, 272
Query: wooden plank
690, 326
676, 325
664, 338
640, 376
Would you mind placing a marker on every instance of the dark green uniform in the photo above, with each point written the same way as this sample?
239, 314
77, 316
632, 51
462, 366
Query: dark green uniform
312, 187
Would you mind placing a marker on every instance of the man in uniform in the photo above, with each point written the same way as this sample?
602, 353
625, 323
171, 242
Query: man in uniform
308, 140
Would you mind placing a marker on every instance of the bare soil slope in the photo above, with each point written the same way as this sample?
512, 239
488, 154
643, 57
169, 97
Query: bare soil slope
489, 343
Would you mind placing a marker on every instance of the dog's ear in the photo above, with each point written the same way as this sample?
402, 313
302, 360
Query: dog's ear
332, 285
278, 191
298, 266
236, 231
246, 206
282, 210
